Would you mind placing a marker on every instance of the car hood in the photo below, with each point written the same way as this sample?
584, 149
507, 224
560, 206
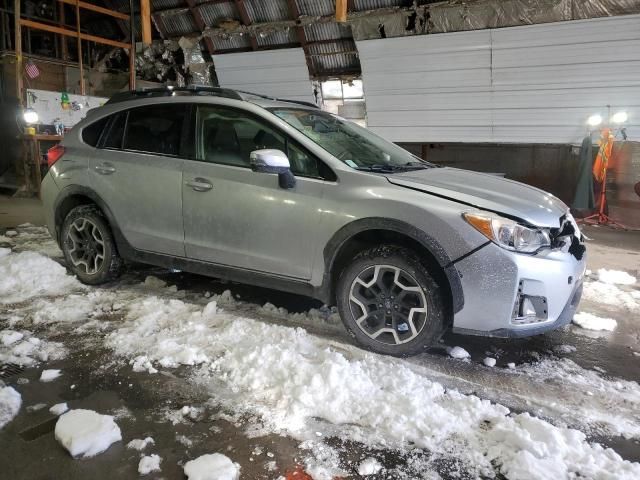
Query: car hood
487, 192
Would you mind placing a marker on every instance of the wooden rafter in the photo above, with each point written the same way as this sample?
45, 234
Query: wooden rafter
244, 16
71, 33
96, 8
302, 37
197, 16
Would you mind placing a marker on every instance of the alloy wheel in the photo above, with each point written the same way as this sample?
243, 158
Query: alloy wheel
86, 245
388, 304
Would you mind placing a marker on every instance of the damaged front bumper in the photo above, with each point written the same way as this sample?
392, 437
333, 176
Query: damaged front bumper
514, 295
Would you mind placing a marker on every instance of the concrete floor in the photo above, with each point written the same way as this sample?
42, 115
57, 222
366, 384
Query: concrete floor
29, 450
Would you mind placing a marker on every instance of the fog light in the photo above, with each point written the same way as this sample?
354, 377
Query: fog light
529, 309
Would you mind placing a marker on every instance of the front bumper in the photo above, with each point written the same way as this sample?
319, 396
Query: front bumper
495, 280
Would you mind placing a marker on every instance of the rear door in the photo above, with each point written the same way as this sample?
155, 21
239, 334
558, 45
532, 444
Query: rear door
237, 217
137, 171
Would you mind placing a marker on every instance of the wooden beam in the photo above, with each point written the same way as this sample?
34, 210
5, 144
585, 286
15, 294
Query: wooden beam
71, 33
244, 16
79, 38
302, 38
145, 21
96, 8
197, 16
341, 11
18, 47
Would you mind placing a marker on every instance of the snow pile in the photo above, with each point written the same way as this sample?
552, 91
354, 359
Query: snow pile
10, 402
24, 349
369, 466
589, 321
30, 237
615, 277
609, 294
457, 352
27, 275
149, 463
59, 408
86, 433
290, 378
214, 466
50, 375
140, 444
489, 361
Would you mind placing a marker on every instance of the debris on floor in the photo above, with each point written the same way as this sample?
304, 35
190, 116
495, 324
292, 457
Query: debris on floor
10, 402
214, 466
86, 433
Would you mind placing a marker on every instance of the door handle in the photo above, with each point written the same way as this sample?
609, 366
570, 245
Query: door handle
105, 169
199, 184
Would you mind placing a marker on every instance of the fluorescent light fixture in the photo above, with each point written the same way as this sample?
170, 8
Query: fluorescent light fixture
619, 117
30, 116
594, 120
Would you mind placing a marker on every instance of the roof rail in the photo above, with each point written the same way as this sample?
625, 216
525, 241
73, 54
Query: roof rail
267, 97
170, 91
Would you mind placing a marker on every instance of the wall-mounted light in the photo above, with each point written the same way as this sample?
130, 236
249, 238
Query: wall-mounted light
619, 117
594, 120
30, 116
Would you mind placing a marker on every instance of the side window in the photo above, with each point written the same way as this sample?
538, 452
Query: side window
113, 138
155, 129
228, 136
91, 133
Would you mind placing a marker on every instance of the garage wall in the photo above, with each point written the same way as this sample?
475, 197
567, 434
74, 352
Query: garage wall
530, 84
278, 73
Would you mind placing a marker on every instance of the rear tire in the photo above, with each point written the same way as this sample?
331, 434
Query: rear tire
89, 247
390, 303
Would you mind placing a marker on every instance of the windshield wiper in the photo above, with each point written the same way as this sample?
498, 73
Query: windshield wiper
380, 168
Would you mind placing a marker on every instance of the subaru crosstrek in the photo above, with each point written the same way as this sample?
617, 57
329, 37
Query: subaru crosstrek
280, 194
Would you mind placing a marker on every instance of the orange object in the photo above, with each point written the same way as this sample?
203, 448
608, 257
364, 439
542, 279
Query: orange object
604, 155
297, 473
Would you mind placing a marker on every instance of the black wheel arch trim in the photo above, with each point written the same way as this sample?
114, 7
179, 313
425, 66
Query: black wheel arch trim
347, 232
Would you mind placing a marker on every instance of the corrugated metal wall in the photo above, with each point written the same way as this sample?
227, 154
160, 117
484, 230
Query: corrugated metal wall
530, 84
278, 73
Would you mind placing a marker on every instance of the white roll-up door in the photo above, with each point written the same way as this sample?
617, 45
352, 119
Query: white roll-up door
276, 73
529, 84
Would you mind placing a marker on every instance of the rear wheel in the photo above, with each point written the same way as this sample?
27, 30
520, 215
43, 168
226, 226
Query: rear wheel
390, 303
88, 246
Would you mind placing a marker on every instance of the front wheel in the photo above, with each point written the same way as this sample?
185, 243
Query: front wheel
390, 303
89, 247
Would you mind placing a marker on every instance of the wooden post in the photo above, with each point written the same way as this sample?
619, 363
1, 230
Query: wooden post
132, 48
341, 10
145, 20
80, 66
18, 42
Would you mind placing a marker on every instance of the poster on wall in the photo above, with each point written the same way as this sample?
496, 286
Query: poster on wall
60, 107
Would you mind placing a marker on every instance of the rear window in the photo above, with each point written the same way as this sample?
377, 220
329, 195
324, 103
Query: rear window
113, 138
155, 129
91, 133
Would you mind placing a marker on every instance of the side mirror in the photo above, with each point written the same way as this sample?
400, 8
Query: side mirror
273, 161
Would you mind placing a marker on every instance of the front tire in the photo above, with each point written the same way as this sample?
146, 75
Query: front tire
390, 303
89, 247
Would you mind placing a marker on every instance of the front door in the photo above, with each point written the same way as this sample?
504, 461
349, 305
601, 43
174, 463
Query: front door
137, 171
240, 218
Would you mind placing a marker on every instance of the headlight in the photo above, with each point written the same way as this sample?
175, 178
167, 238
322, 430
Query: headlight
508, 233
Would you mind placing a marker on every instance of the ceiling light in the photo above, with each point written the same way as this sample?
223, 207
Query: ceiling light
619, 117
594, 120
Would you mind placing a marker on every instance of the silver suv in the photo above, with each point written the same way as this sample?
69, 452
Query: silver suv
282, 195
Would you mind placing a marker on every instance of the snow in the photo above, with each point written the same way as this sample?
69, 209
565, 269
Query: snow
589, 321
59, 408
140, 444
26, 275
615, 277
149, 463
23, 348
86, 433
10, 402
50, 375
214, 466
11, 233
290, 377
457, 352
369, 466
609, 294
489, 362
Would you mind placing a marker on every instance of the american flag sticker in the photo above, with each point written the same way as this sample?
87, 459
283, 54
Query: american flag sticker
31, 69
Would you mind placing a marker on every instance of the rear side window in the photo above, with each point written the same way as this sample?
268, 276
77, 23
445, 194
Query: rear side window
91, 133
113, 138
155, 129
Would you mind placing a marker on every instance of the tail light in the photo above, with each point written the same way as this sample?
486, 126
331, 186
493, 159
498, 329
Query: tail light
54, 154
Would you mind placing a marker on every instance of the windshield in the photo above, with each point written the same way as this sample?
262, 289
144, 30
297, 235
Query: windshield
354, 145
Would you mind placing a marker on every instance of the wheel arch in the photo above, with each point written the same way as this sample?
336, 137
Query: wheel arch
360, 234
